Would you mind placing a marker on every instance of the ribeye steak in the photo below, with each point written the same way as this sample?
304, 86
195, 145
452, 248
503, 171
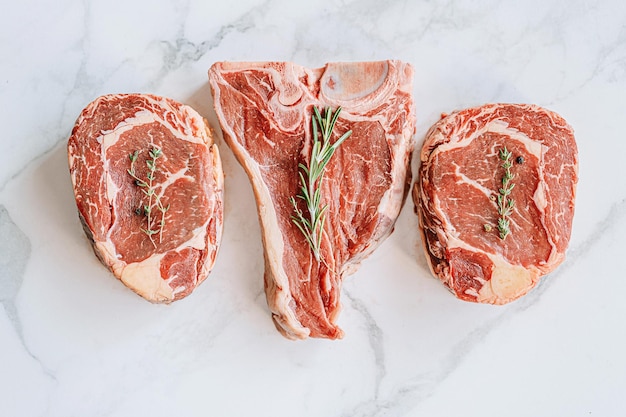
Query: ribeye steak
462, 194
265, 113
148, 185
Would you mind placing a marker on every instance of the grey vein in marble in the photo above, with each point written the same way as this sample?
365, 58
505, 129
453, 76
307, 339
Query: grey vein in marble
419, 388
15, 250
375, 334
182, 51
14, 254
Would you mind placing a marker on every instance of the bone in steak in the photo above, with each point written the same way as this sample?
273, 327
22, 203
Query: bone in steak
188, 180
265, 113
456, 199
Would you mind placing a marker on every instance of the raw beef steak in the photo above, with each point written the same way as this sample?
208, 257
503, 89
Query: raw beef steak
463, 193
148, 185
265, 113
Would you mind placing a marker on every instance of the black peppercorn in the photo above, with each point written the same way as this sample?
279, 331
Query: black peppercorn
519, 159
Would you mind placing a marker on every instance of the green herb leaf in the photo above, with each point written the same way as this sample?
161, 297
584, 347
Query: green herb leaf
148, 188
505, 203
311, 177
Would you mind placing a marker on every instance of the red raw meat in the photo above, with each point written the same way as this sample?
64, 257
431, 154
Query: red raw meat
265, 113
188, 179
456, 199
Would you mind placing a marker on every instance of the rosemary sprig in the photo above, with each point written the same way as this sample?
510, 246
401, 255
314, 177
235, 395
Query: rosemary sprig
505, 202
148, 188
311, 179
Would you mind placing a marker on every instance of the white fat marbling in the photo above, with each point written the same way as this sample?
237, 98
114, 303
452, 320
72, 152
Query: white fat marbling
75, 342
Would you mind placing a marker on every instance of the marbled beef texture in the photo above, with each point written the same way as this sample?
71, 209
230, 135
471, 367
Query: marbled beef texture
456, 196
265, 113
188, 179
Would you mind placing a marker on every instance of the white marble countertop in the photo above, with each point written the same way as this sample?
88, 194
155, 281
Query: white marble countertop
75, 342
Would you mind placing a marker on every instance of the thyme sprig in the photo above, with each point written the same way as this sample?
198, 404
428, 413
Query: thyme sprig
505, 202
154, 225
311, 179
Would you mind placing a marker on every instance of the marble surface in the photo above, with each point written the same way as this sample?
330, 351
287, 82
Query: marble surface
75, 342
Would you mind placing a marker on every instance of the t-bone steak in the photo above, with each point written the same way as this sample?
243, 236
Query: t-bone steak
265, 112
459, 190
158, 229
